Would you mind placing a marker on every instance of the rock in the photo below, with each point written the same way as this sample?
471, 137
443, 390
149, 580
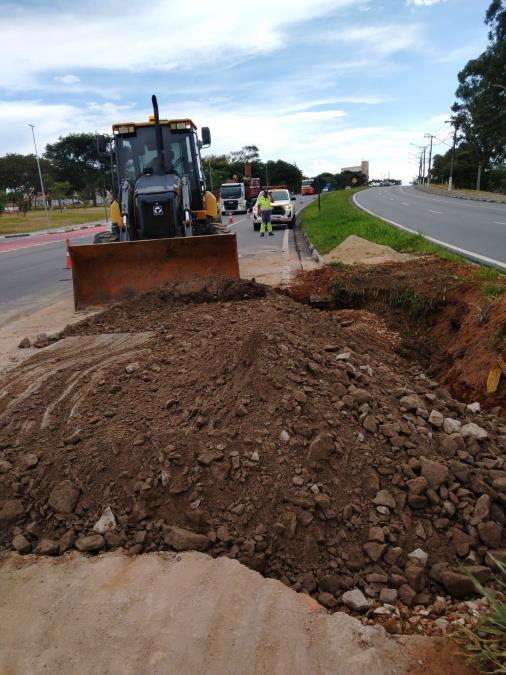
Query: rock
106, 522
370, 424
376, 534
91, 542
330, 583
474, 407
490, 534
435, 472
417, 486
451, 426
223, 534
447, 446
392, 555
356, 600
207, 457
407, 595
384, 498
64, 497
25, 343
472, 430
498, 484
113, 540
299, 396
361, 396
419, 556
47, 547
181, 539
21, 544
415, 575
457, 584
11, 511
327, 600
412, 402
461, 541
41, 341
132, 367
492, 557
28, 461
482, 508
284, 436
74, 438
5, 466
241, 411
460, 470
320, 448
388, 596
436, 419
298, 480
67, 541
374, 550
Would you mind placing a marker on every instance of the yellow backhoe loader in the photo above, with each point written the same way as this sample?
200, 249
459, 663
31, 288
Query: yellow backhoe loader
165, 222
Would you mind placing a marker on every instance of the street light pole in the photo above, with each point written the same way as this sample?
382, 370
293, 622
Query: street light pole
430, 158
450, 179
40, 173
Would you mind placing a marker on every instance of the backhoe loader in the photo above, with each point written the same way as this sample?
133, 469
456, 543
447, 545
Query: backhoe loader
164, 221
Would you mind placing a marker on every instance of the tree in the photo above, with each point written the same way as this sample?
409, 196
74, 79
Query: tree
59, 190
3, 201
19, 175
246, 155
284, 173
480, 109
76, 160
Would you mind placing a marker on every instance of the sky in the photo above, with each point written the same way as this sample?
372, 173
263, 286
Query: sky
323, 83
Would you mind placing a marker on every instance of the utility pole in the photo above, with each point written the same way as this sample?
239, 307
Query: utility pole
430, 158
456, 128
40, 173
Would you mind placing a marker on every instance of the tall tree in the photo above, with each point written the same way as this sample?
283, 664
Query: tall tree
480, 109
19, 175
77, 161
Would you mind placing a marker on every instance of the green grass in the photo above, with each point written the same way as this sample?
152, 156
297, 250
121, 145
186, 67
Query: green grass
486, 644
486, 274
493, 291
339, 218
15, 223
468, 191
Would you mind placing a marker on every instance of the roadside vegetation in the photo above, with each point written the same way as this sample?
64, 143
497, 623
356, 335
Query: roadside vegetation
339, 218
486, 643
17, 223
470, 193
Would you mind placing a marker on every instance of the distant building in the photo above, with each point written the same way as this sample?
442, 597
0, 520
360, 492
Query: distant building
364, 168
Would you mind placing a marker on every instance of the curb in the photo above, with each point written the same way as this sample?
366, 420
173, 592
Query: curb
312, 248
72, 228
454, 195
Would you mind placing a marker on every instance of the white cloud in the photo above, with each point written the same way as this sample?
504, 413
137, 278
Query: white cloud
165, 36
424, 3
67, 79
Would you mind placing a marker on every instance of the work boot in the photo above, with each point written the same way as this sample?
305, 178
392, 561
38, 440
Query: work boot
271, 234
262, 234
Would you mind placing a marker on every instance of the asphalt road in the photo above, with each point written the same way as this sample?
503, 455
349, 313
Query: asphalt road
474, 229
32, 269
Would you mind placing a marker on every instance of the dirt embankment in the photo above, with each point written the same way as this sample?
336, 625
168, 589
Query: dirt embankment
449, 320
236, 421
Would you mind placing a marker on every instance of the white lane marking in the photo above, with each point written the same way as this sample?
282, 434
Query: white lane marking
498, 222
405, 203
462, 251
431, 211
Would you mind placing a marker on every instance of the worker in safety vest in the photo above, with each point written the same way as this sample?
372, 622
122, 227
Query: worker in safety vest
265, 212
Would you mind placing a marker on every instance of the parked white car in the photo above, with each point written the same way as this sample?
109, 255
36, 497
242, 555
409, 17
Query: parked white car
283, 209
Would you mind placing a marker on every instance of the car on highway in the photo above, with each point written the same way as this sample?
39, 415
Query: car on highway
283, 209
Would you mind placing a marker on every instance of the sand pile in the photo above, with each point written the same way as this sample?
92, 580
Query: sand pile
357, 251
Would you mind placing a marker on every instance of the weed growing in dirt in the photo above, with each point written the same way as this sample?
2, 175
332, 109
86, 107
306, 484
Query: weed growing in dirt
486, 274
486, 644
416, 306
500, 336
339, 218
493, 291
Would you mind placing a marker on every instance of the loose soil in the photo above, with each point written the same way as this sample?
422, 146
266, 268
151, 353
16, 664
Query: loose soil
439, 308
354, 250
234, 420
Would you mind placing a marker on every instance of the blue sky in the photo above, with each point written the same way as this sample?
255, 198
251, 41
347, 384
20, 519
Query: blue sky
325, 83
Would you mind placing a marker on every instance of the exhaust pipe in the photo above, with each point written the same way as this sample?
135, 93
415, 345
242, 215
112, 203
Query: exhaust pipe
158, 138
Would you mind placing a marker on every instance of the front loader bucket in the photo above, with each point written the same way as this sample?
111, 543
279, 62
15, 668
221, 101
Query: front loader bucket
103, 273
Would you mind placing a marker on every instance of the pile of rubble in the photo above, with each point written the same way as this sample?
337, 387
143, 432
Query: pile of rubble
259, 429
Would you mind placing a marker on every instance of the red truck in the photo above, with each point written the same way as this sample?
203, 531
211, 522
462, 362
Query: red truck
239, 194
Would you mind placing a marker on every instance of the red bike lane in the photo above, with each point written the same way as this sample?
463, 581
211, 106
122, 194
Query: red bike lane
17, 243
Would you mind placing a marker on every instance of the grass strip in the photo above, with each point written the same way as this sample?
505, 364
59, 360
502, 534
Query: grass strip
339, 218
16, 223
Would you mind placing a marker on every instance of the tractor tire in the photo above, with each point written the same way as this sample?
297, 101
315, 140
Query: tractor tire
105, 238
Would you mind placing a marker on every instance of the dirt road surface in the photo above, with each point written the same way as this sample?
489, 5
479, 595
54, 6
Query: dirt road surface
185, 614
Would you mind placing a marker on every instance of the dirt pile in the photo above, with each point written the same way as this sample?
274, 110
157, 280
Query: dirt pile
450, 318
355, 250
258, 429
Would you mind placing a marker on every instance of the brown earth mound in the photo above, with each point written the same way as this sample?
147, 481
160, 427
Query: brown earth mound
262, 430
444, 312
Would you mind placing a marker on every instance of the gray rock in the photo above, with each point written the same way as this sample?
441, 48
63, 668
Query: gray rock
419, 555
64, 497
436, 419
384, 498
388, 596
28, 461
451, 426
132, 367
412, 402
356, 600
106, 522
474, 431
